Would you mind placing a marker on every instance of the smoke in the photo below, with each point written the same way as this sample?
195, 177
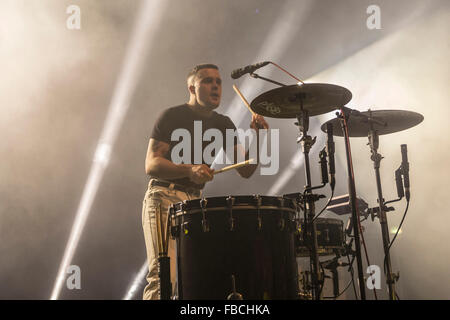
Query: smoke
407, 70
55, 89
56, 86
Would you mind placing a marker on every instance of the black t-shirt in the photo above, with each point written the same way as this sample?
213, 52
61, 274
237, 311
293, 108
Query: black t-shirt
183, 117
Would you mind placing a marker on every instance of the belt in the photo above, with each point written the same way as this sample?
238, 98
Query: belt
174, 186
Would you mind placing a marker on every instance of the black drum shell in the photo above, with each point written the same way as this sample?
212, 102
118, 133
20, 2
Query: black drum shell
251, 239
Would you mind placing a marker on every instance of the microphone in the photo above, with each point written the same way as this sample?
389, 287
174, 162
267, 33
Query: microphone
330, 151
235, 74
405, 169
399, 183
323, 166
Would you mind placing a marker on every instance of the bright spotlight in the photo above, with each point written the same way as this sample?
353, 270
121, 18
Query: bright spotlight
135, 285
144, 31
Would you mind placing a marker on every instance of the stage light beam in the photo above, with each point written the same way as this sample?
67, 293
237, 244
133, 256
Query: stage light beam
137, 281
145, 29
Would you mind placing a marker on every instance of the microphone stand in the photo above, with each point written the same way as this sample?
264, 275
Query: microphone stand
376, 158
353, 204
308, 197
309, 202
332, 265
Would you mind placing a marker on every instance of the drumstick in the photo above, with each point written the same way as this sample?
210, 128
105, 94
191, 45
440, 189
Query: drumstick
243, 99
234, 166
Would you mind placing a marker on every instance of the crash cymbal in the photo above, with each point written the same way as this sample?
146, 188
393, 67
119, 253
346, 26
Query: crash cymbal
383, 121
286, 102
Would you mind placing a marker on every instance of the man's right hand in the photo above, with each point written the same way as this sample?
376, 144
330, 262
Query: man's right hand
201, 173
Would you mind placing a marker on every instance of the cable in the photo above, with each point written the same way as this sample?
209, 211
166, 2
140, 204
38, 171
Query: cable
341, 293
395, 236
328, 203
400, 226
352, 281
353, 276
364, 219
323, 281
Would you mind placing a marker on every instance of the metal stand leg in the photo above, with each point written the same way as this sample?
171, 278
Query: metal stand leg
309, 203
376, 158
163, 260
355, 219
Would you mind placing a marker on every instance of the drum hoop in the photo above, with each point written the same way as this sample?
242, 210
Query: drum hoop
237, 207
321, 248
324, 221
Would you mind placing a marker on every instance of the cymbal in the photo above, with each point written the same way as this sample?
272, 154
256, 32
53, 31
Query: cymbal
384, 122
285, 102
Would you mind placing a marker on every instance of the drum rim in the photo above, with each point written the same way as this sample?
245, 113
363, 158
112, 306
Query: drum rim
300, 252
319, 221
262, 209
277, 202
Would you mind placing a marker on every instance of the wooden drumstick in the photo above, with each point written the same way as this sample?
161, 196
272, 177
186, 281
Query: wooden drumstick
234, 166
243, 99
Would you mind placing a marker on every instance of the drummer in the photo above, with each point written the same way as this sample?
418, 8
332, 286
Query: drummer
171, 182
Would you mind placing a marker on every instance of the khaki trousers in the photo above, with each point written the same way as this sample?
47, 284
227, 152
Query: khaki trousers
159, 198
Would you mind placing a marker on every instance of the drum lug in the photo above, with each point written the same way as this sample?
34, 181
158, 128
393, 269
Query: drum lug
205, 224
281, 201
232, 221
281, 224
203, 203
174, 229
230, 201
258, 205
292, 225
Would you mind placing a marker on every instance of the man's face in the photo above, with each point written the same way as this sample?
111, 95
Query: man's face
208, 88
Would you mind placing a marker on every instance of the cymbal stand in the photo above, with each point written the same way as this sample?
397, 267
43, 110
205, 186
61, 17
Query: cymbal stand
309, 203
376, 158
343, 116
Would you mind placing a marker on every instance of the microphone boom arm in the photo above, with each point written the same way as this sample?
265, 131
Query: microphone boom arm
256, 76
